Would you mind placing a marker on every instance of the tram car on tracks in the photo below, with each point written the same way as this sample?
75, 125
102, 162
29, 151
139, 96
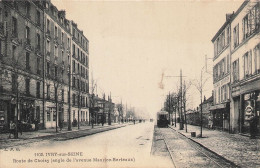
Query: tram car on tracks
162, 119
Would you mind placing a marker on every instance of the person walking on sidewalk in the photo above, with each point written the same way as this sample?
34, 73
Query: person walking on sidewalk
12, 128
61, 124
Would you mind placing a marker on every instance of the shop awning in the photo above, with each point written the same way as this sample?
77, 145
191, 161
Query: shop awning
218, 106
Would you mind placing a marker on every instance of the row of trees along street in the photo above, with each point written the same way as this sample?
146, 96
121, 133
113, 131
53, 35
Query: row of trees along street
176, 102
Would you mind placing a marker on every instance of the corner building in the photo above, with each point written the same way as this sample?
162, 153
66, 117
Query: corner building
245, 60
21, 62
237, 70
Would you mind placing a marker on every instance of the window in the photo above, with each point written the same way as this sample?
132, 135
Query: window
68, 96
62, 95
38, 85
38, 42
56, 31
235, 66
73, 81
27, 86
56, 71
48, 25
48, 91
27, 9
27, 60
14, 52
38, 63
48, 46
78, 54
228, 35
14, 27
68, 43
62, 37
247, 59
27, 34
236, 36
1, 14
73, 66
257, 58
246, 28
48, 115
56, 93
14, 82
73, 99
48, 68
55, 51
38, 17
73, 50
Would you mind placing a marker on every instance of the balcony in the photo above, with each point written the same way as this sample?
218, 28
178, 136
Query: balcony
38, 51
56, 40
62, 46
28, 45
48, 56
62, 65
48, 34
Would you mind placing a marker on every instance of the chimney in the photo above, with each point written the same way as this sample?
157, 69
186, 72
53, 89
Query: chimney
229, 16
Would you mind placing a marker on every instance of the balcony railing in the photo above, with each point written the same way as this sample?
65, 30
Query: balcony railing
48, 34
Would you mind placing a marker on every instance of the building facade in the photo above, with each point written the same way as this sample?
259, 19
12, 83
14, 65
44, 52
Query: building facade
245, 61
36, 65
236, 69
21, 61
220, 111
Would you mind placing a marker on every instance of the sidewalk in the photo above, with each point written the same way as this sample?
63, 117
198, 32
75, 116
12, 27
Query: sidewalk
241, 150
28, 137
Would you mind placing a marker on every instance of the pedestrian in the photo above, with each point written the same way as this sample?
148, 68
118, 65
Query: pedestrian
19, 127
36, 124
92, 122
61, 124
12, 128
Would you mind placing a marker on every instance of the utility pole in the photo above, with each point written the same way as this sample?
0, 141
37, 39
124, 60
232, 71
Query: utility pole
184, 106
181, 117
180, 103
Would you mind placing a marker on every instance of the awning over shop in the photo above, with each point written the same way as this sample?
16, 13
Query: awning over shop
218, 106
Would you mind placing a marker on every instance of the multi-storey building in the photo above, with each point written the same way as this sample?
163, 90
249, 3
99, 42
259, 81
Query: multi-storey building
245, 69
44, 65
21, 61
238, 84
57, 38
221, 76
80, 75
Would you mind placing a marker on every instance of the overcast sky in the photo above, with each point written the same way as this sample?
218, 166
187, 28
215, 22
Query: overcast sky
132, 43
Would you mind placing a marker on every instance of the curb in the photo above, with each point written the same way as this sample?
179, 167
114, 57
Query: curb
232, 163
53, 135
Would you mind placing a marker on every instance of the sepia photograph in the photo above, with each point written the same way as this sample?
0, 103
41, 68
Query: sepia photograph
129, 83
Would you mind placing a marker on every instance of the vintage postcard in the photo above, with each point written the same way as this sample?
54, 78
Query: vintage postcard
129, 83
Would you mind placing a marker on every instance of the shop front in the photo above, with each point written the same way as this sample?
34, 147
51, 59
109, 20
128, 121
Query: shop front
250, 112
220, 116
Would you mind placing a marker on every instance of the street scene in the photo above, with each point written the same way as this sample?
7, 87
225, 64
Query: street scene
129, 83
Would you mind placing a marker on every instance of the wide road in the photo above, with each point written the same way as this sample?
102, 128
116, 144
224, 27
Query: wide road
129, 146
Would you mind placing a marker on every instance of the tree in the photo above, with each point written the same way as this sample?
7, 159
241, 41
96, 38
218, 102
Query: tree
199, 85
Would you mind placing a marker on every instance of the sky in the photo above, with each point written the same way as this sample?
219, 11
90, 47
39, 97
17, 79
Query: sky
132, 44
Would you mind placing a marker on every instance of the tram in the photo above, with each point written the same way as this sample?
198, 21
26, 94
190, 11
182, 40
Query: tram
162, 119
